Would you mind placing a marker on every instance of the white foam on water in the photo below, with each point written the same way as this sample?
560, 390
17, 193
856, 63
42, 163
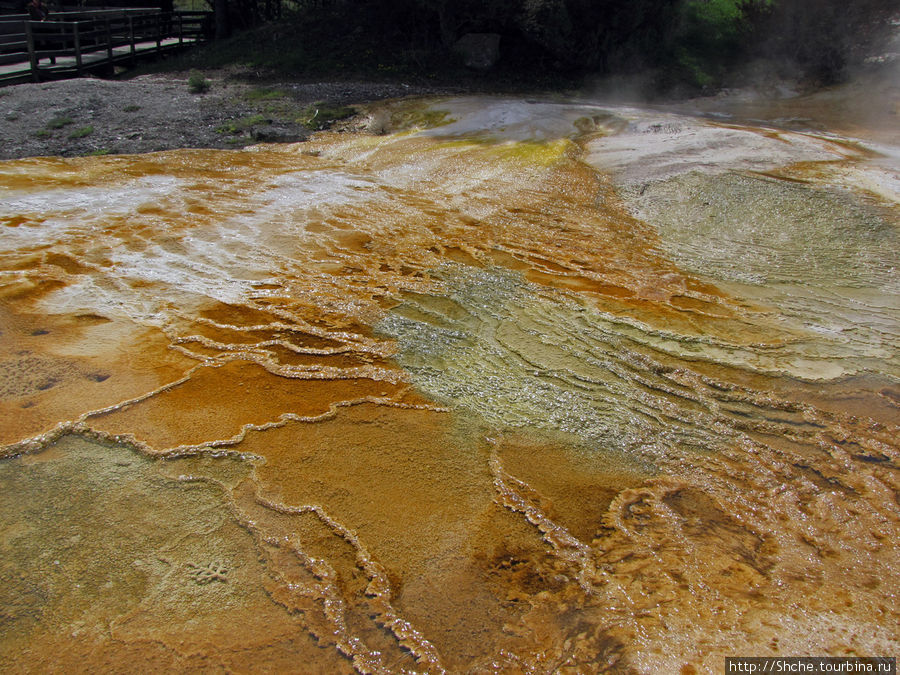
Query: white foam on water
63, 212
303, 189
222, 260
656, 146
511, 119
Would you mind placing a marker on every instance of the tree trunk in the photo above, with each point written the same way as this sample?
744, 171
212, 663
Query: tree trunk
223, 25
447, 22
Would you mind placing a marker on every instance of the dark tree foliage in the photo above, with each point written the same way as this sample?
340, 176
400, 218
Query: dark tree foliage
566, 34
822, 38
693, 41
597, 35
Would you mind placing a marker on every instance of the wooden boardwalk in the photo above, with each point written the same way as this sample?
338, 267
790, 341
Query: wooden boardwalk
71, 44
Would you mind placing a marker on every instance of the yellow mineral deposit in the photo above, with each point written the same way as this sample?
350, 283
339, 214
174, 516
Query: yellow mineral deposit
547, 387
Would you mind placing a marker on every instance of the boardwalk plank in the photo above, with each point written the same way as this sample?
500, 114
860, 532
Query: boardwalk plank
76, 43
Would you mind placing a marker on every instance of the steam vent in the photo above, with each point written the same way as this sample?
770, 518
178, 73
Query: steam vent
516, 387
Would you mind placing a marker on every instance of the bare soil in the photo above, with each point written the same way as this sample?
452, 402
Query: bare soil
160, 112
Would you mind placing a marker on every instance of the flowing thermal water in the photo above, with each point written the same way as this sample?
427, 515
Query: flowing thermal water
546, 387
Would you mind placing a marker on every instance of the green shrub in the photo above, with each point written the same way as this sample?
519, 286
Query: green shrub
238, 126
82, 132
59, 122
263, 94
197, 83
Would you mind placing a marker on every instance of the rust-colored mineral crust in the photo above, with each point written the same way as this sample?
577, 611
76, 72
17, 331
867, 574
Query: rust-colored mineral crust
525, 392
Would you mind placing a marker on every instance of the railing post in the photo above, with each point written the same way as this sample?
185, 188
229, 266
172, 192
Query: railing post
109, 45
180, 29
159, 33
60, 35
131, 39
77, 40
32, 57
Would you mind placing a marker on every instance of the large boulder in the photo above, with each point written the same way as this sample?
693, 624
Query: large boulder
478, 50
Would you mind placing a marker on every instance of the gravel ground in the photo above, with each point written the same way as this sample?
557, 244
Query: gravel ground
159, 112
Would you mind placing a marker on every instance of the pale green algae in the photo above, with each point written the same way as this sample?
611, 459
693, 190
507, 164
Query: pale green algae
826, 259
96, 537
761, 230
525, 357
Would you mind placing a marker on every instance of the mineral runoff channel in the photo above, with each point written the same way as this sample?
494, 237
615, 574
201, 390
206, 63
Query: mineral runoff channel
541, 387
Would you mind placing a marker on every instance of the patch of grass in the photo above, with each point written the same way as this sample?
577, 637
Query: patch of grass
60, 122
264, 94
42, 133
276, 109
418, 115
197, 83
235, 127
322, 115
131, 108
99, 152
82, 132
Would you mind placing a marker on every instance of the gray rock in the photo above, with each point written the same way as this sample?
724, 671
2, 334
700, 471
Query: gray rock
478, 50
275, 134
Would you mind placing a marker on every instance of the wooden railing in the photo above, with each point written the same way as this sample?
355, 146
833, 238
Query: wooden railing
72, 43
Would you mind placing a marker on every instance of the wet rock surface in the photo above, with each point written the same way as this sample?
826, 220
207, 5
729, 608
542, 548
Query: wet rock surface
444, 392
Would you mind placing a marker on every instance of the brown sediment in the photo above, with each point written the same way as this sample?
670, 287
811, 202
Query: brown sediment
217, 403
385, 473
369, 465
149, 601
57, 368
577, 487
863, 396
235, 315
717, 543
